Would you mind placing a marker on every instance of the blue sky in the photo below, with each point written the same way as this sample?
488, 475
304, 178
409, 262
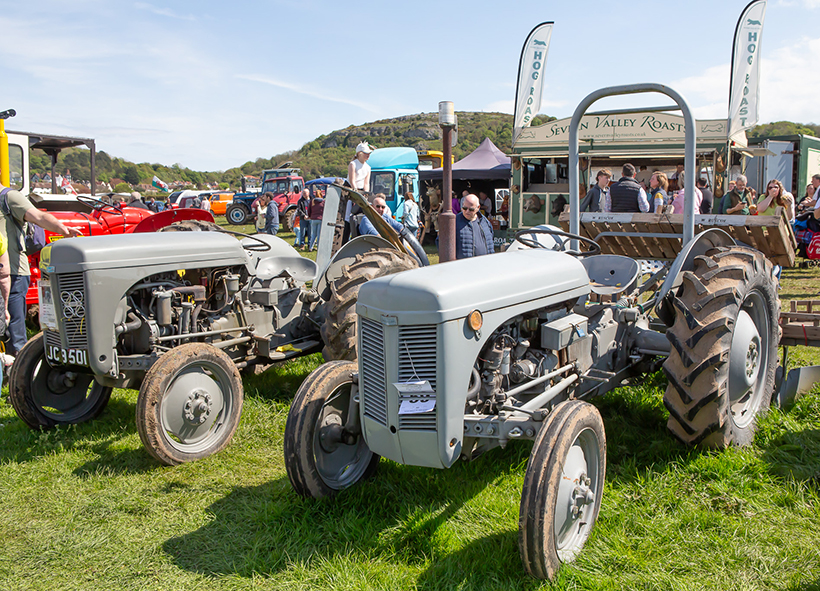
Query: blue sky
211, 84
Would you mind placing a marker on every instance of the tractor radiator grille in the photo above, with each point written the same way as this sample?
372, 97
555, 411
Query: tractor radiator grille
374, 391
52, 339
417, 362
72, 314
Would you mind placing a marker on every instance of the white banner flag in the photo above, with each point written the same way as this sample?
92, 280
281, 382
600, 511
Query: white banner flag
531, 77
744, 92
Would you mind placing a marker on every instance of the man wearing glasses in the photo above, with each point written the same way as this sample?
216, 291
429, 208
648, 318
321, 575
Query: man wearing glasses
474, 234
380, 205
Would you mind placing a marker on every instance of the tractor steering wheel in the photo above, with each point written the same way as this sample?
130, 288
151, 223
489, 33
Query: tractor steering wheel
261, 247
530, 241
98, 204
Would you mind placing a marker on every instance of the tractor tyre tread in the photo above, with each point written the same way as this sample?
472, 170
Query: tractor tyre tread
191, 226
706, 310
300, 429
339, 328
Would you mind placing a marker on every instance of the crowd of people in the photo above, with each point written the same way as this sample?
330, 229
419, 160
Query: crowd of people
649, 192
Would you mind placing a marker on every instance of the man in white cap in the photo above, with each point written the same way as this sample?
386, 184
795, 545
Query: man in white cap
358, 175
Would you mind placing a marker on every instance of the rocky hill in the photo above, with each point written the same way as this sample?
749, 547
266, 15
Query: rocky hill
328, 155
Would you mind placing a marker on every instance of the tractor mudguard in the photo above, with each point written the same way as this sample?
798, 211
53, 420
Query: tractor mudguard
169, 216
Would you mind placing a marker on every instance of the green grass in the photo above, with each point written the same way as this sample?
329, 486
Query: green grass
85, 507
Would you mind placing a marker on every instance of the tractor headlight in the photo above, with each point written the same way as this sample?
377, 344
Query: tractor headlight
475, 320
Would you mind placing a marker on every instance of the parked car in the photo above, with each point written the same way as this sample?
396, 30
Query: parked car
219, 203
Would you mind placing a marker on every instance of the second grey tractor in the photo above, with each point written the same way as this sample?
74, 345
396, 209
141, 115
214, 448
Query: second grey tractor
178, 315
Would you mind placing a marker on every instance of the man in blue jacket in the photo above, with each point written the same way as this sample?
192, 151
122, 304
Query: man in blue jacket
474, 234
380, 205
271, 214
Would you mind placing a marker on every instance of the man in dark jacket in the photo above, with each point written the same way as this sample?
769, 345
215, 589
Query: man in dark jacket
136, 201
596, 196
627, 196
474, 234
708, 196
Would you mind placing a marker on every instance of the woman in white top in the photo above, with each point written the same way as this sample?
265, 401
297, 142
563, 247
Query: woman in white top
358, 171
358, 175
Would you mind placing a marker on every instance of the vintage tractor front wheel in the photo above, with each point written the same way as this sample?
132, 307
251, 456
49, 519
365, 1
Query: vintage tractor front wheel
321, 457
189, 404
237, 215
562, 489
339, 329
45, 396
723, 359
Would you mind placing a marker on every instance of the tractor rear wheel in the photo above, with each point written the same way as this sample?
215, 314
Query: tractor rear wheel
321, 457
191, 226
723, 358
237, 215
290, 219
339, 329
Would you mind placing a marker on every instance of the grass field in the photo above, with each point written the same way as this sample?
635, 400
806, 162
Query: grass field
85, 507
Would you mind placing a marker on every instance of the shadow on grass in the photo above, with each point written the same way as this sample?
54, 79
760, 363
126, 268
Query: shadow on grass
795, 455
116, 461
396, 514
21, 444
806, 586
280, 382
636, 435
790, 440
491, 558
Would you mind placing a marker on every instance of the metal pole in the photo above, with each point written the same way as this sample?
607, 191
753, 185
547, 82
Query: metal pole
447, 218
5, 175
93, 147
689, 152
53, 177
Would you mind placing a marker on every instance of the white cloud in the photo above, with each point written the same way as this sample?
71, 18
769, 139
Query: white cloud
163, 11
501, 107
325, 95
787, 91
810, 4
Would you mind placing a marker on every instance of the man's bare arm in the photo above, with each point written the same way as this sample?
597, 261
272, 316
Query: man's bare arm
49, 222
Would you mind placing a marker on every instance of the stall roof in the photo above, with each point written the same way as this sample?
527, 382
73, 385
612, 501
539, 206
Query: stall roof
485, 162
49, 143
649, 131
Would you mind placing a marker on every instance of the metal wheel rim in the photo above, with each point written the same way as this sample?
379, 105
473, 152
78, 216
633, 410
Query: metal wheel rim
236, 215
65, 407
748, 360
582, 461
187, 434
344, 465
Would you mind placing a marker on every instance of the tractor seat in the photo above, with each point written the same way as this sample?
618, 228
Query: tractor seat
611, 274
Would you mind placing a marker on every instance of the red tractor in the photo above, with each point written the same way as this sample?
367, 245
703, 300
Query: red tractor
94, 218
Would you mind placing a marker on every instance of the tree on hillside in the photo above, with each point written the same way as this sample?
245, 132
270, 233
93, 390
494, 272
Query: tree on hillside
131, 174
784, 128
